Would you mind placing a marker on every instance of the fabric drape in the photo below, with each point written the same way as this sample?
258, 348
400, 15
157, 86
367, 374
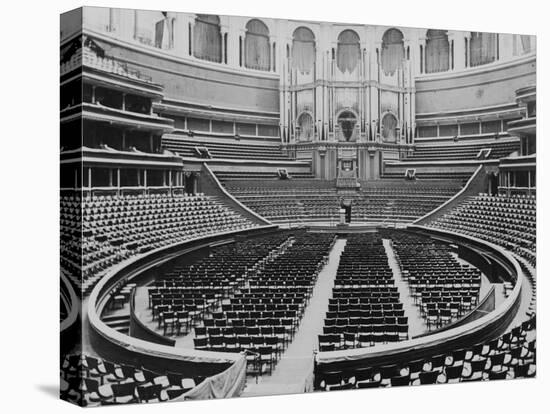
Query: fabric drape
482, 48
393, 51
349, 51
207, 39
303, 50
257, 50
437, 51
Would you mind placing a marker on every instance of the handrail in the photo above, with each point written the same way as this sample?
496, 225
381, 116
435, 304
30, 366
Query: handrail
482, 328
232, 198
453, 198
135, 320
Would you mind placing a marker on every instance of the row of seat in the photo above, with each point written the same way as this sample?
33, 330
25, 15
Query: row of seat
283, 283
464, 151
360, 317
505, 220
90, 381
189, 147
98, 233
512, 355
443, 288
319, 200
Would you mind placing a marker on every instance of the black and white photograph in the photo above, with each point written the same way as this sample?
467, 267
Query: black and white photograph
252, 206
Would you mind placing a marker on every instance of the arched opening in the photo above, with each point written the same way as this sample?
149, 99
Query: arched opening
389, 126
303, 50
483, 48
437, 51
393, 51
347, 121
305, 125
207, 38
349, 51
256, 46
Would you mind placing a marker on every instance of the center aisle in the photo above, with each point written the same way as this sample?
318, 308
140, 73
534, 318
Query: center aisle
293, 373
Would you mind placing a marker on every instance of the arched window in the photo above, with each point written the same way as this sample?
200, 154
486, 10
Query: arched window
305, 123
347, 121
393, 51
303, 49
256, 46
437, 51
349, 51
389, 124
207, 38
483, 48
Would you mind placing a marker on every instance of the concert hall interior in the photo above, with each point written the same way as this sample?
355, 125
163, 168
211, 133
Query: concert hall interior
256, 206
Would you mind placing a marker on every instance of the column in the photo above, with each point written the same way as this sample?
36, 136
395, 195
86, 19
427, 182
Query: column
224, 31
272, 54
458, 40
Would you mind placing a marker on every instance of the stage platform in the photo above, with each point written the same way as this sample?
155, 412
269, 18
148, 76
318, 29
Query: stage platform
327, 226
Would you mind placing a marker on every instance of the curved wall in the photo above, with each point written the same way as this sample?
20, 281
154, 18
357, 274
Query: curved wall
485, 86
190, 81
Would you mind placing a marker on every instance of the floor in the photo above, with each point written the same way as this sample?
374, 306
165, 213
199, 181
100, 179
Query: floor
293, 372
416, 322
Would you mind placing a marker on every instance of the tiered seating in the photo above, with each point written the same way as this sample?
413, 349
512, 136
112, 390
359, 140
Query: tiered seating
365, 308
443, 288
463, 151
262, 317
91, 381
509, 221
179, 299
461, 177
512, 355
114, 228
381, 200
185, 147
227, 176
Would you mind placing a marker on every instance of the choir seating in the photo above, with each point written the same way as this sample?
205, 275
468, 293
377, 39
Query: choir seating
508, 221
91, 381
231, 149
377, 201
464, 151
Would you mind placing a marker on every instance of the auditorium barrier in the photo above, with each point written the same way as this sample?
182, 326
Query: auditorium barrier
140, 331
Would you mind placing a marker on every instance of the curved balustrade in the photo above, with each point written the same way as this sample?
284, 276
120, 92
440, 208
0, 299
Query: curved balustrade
225, 373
